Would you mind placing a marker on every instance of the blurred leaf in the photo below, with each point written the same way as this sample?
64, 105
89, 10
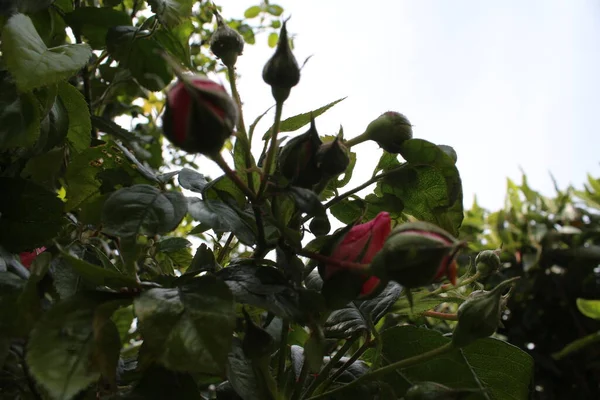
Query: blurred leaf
192, 180
94, 22
63, 344
273, 39
589, 308
80, 125
171, 12
31, 63
142, 209
252, 12
31, 216
275, 10
19, 116
99, 276
189, 328
138, 53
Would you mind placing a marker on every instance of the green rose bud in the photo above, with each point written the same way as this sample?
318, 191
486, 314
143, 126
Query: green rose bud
297, 162
449, 151
226, 43
487, 262
333, 158
479, 316
417, 254
390, 130
281, 72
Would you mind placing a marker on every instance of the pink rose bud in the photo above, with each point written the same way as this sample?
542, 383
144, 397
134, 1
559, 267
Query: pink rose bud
417, 254
28, 257
360, 245
199, 115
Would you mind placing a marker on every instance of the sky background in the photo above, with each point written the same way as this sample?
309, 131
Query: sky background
510, 84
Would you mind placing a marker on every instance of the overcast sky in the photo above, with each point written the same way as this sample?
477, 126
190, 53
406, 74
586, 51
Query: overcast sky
507, 83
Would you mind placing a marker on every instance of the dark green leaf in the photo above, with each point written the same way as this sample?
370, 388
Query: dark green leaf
138, 53
204, 260
192, 180
172, 244
171, 12
243, 376
94, 22
159, 383
31, 63
31, 215
298, 121
264, 287
19, 116
175, 41
143, 209
220, 217
78, 113
99, 276
189, 328
63, 344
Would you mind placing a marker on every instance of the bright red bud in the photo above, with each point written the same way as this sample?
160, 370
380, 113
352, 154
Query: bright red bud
28, 257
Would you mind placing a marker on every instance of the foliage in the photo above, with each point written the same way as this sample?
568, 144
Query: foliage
101, 295
552, 244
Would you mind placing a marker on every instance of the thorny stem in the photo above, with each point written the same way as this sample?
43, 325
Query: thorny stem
441, 315
448, 286
366, 345
332, 261
285, 327
357, 140
407, 362
272, 150
324, 373
231, 174
225, 248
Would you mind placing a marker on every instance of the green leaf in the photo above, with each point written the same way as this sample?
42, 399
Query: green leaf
46, 168
160, 383
500, 369
94, 22
142, 209
275, 10
138, 53
263, 287
172, 244
19, 116
298, 121
31, 216
33, 64
252, 12
80, 125
11, 287
192, 180
243, 376
361, 316
63, 345
175, 41
221, 218
435, 195
171, 12
99, 276
189, 328
589, 308
273, 39
96, 171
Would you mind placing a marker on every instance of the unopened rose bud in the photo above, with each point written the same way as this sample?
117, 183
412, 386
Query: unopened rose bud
487, 262
417, 254
449, 150
390, 130
199, 115
281, 72
297, 161
480, 315
333, 157
226, 43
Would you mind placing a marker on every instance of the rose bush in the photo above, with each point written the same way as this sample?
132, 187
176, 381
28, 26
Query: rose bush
121, 304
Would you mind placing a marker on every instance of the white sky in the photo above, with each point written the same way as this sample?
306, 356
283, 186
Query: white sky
507, 83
